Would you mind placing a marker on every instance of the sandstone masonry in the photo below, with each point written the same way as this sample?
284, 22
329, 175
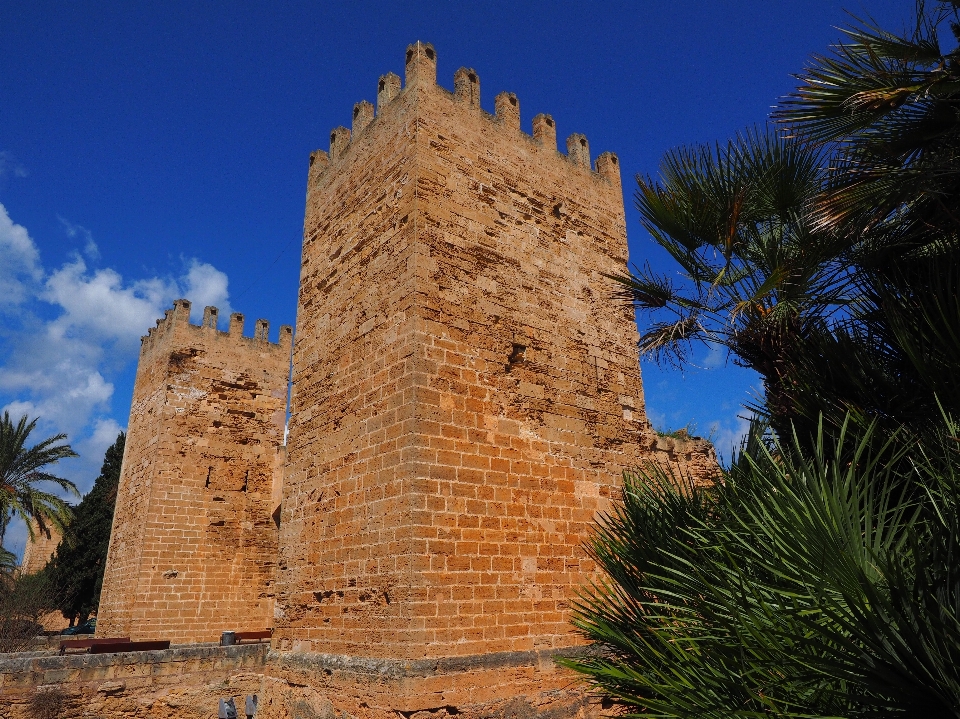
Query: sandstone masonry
183, 682
466, 396
194, 540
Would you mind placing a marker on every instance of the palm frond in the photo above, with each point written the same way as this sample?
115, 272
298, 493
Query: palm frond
801, 586
23, 470
669, 343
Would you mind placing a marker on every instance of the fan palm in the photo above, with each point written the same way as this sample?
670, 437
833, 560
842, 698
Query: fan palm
23, 472
756, 275
891, 103
888, 106
827, 259
818, 578
798, 587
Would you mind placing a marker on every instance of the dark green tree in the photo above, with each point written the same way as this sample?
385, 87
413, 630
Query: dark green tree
888, 107
801, 586
758, 275
76, 569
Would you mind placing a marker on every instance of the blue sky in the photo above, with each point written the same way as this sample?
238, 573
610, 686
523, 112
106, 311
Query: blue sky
153, 150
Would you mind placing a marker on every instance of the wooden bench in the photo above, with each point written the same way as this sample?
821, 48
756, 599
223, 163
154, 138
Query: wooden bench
253, 636
66, 644
117, 647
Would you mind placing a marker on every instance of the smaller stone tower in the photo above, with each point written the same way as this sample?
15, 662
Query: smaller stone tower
39, 549
194, 542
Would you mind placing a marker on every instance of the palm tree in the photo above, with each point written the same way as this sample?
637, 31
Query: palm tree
889, 103
887, 107
800, 586
756, 275
22, 470
828, 258
819, 578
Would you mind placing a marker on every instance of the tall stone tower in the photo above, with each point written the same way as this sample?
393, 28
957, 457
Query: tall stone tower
194, 541
466, 395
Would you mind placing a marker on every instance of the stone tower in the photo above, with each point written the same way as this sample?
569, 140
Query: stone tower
39, 549
194, 541
466, 395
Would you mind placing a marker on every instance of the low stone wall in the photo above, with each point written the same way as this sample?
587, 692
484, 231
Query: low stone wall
503, 685
187, 682
183, 682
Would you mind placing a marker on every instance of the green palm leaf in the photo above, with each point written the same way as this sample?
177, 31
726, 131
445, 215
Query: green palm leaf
23, 469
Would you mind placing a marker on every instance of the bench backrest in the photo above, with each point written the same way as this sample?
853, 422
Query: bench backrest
251, 636
129, 647
85, 643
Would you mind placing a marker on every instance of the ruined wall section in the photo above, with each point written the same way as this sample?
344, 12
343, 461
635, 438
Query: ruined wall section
177, 683
689, 457
466, 393
194, 542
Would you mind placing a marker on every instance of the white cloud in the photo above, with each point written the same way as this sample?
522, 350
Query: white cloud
74, 231
64, 392
70, 330
104, 434
99, 301
205, 285
19, 261
727, 436
716, 356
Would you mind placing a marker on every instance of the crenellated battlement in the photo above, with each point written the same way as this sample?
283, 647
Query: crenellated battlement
178, 318
420, 70
464, 394
193, 541
412, 482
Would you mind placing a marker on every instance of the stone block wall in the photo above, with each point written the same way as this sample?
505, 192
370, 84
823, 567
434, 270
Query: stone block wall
194, 543
187, 682
503, 685
466, 397
466, 391
687, 456
178, 683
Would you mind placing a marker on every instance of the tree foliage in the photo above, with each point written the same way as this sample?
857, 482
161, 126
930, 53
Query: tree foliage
799, 587
77, 566
756, 275
888, 107
819, 578
23, 471
826, 257
24, 600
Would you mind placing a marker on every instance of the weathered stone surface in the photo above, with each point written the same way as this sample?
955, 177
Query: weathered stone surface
194, 543
466, 396
506, 684
179, 683
688, 456
188, 682
466, 392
